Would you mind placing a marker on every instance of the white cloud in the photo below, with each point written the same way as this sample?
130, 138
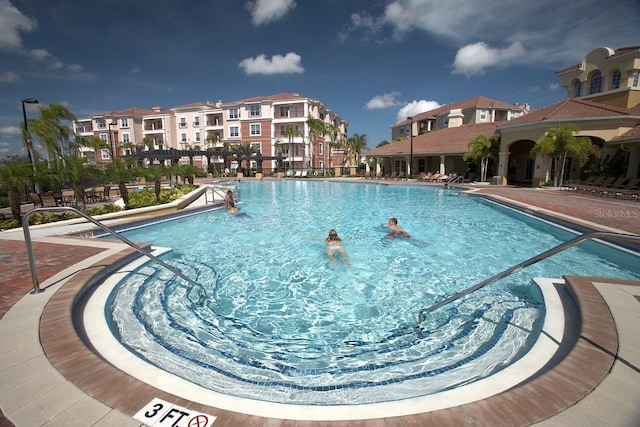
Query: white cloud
278, 64
383, 101
416, 107
474, 58
12, 22
9, 77
11, 130
555, 86
548, 37
265, 11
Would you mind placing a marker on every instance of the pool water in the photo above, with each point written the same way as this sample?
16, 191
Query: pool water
273, 319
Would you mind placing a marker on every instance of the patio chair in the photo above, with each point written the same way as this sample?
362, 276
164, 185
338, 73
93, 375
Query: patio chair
68, 198
629, 191
35, 198
618, 184
48, 200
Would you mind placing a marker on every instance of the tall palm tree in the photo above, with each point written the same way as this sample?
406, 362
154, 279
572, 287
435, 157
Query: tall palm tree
16, 173
317, 129
245, 150
355, 144
155, 174
483, 149
560, 143
53, 131
291, 132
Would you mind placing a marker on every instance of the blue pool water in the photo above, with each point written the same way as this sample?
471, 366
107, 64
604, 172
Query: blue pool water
273, 319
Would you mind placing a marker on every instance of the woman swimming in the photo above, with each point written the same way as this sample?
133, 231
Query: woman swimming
334, 243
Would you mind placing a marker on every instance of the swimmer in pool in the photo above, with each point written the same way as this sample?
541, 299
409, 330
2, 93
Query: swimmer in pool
334, 244
395, 229
235, 211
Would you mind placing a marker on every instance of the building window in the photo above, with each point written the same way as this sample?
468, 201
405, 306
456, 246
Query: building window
196, 122
284, 111
197, 136
254, 111
103, 137
102, 123
183, 137
577, 89
124, 122
233, 113
483, 114
636, 79
255, 129
125, 138
234, 131
183, 122
596, 83
104, 154
321, 149
615, 80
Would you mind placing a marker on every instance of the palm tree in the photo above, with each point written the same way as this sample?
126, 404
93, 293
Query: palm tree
75, 170
155, 174
560, 143
245, 150
355, 144
15, 174
483, 149
120, 173
317, 129
291, 132
53, 131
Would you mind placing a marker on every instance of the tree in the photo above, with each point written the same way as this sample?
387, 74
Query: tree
155, 174
560, 143
120, 173
53, 131
317, 129
16, 173
243, 151
483, 149
76, 170
291, 132
355, 144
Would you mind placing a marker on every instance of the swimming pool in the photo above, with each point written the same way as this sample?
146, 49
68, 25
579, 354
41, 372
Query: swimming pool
274, 320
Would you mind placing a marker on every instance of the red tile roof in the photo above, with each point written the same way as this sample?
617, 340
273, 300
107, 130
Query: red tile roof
277, 97
477, 102
442, 141
569, 109
632, 134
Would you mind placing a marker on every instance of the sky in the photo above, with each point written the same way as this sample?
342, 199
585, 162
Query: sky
373, 62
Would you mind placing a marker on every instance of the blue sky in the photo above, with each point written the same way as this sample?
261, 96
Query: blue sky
374, 62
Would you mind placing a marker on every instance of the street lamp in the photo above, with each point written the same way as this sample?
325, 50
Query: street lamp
411, 152
29, 142
112, 142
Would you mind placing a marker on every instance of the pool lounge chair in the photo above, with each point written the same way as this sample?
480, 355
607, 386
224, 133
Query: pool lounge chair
606, 191
304, 174
629, 192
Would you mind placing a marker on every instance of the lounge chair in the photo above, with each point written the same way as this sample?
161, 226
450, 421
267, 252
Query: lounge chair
304, 174
629, 191
298, 174
610, 191
48, 200
595, 189
400, 175
393, 175
68, 198
591, 183
289, 173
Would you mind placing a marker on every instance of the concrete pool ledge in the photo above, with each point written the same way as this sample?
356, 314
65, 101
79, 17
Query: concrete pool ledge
85, 387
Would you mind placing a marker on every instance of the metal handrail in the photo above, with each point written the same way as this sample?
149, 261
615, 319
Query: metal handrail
561, 247
32, 259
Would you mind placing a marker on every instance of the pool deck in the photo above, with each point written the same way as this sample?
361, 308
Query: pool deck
49, 378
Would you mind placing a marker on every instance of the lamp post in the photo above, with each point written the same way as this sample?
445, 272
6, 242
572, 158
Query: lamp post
410, 152
29, 142
112, 142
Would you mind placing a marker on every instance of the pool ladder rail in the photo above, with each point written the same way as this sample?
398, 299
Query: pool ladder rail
32, 260
559, 248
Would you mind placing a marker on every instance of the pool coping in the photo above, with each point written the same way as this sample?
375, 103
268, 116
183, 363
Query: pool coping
575, 376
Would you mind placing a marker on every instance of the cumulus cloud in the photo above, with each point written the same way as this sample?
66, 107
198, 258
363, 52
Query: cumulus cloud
474, 58
416, 107
385, 100
12, 22
548, 37
9, 77
266, 11
278, 64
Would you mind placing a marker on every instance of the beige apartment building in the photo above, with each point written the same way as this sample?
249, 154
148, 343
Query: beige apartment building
276, 126
603, 101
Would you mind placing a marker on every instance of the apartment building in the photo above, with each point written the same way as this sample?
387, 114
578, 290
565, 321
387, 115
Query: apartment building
603, 101
277, 127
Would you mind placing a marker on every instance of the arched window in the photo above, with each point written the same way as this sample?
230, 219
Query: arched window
615, 80
596, 83
577, 89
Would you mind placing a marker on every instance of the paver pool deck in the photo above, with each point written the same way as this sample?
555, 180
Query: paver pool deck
49, 378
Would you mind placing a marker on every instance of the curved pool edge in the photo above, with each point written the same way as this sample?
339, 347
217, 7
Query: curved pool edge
73, 359
102, 340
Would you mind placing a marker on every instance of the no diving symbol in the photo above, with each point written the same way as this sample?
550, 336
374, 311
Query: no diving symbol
198, 421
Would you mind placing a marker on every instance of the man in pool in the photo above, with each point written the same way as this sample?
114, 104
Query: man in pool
334, 243
396, 230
